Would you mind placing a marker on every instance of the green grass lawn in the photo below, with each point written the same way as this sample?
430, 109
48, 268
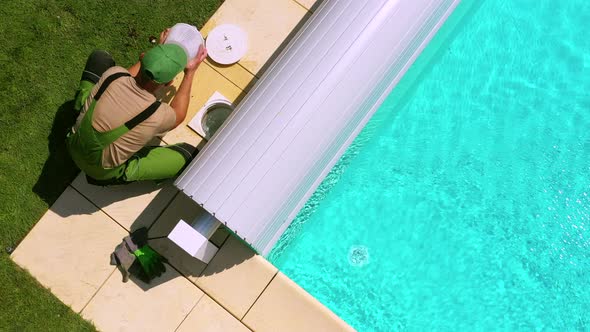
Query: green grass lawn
43, 48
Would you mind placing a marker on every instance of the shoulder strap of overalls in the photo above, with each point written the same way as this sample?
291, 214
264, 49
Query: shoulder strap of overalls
108, 82
139, 118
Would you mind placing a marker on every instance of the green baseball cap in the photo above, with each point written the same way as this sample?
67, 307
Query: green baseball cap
163, 62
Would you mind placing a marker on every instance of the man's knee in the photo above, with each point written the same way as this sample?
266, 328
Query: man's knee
187, 151
98, 62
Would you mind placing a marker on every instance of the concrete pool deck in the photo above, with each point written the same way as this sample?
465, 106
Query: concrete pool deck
68, 249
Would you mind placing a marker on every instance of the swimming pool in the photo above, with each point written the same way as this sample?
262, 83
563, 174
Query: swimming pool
466, 206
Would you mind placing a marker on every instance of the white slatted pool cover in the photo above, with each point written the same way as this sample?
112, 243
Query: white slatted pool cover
281, 141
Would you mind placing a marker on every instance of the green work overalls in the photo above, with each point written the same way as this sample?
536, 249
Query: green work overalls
86, 145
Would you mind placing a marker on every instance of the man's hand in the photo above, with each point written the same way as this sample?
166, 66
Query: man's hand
192, 65
164, 35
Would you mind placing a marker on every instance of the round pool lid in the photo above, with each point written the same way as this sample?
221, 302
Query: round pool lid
227, 44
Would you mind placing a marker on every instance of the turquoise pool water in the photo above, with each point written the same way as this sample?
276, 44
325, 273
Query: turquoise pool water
467, 207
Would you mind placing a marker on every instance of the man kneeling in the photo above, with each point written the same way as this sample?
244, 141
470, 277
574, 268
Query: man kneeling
120, 116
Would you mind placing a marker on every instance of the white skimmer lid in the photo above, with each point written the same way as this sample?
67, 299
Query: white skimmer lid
227, 44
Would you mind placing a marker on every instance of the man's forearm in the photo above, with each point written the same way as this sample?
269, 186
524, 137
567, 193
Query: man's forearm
182, 97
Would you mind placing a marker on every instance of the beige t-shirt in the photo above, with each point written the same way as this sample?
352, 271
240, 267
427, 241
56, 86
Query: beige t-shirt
122, 101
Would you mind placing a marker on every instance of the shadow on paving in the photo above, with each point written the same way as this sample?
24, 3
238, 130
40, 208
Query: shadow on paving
232, 252
178, 262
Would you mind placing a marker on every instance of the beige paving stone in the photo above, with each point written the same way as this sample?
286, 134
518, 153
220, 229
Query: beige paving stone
267, 23
136, 306
68, 250
133, 205
206, 82
181, 208
286, 307
208, 316
236, 276
237, 74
